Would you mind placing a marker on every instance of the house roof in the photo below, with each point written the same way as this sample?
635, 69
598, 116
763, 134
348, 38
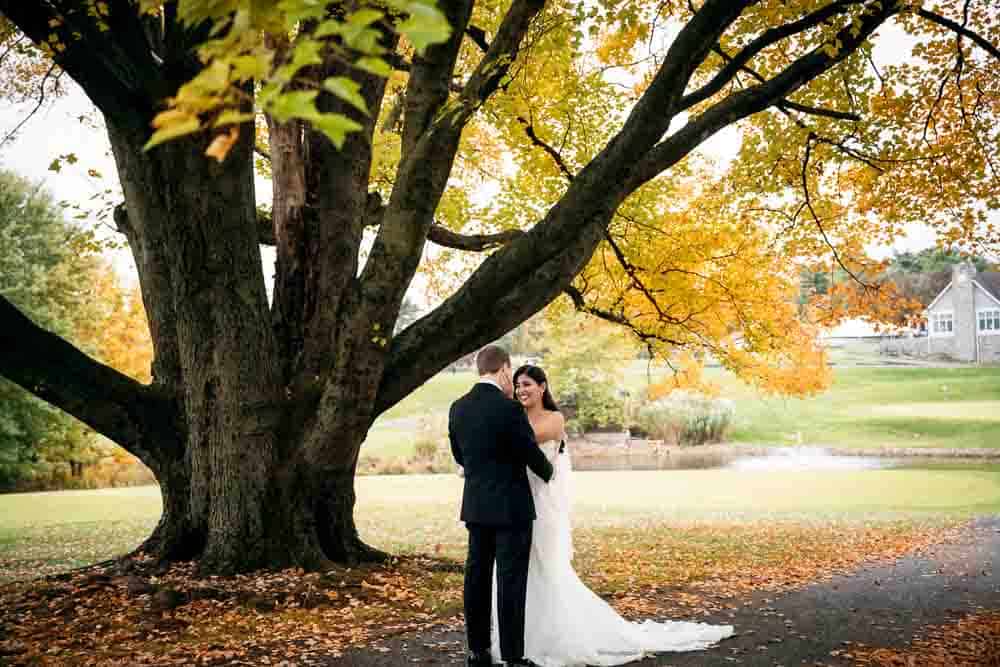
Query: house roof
990, 282
941, 281
944, 289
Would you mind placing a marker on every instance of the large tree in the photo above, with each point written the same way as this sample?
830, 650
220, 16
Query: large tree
256, 412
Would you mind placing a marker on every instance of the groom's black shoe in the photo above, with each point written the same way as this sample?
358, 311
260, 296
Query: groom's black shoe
522, 663
474, 659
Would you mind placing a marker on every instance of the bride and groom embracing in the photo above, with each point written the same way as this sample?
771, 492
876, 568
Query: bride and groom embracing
533, 609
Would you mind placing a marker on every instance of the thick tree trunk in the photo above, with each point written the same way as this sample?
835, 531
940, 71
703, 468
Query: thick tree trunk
305, 519
259, 468
337, 532
180, 534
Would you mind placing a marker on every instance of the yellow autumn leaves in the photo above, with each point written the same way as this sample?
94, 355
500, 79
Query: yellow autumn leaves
256, 59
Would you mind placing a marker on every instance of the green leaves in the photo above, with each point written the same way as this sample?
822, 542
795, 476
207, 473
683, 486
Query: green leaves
295, 104
375, 66
426, 25
301, 105
270, 46
336, 127
347, 90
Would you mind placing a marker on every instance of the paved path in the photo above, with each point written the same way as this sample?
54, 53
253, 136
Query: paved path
877, 605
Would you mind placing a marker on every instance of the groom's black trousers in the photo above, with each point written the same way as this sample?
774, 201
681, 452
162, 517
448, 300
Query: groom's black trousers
510, 547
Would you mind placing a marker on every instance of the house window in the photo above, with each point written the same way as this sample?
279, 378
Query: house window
989, 320
942, 324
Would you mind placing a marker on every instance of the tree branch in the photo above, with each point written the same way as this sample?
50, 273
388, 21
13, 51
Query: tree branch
431, 136
510, 296
754, 99
525, 275
115, 66
817, 111
438, 234
651, 116
581, 305
55, 371
443, 236
38, 105
430, 77
788, 105
502, 53
769, 37
804, 175
529, 129
478, 37
981, 41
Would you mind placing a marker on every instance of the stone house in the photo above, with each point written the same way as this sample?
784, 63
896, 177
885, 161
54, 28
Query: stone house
963, 321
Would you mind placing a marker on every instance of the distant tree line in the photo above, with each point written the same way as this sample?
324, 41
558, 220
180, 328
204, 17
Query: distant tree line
54, 271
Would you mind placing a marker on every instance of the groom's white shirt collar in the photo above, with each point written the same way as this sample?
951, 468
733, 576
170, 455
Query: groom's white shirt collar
489, 381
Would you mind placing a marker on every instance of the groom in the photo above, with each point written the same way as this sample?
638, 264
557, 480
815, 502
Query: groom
492, 440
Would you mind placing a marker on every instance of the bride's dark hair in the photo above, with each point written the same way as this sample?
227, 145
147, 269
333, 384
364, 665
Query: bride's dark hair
538, 375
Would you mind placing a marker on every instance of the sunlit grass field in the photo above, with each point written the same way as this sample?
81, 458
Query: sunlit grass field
877, 407
867, 406
42, 533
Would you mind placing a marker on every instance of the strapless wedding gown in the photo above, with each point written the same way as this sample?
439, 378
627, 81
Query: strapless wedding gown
567, 624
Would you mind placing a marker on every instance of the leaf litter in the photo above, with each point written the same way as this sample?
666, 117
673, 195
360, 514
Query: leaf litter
132, 611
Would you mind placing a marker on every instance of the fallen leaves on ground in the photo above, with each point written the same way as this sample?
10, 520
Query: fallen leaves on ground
695, 568
972, 641
133, 612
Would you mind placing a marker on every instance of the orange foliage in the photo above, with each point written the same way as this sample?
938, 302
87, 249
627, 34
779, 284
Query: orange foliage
119, 335
687, 376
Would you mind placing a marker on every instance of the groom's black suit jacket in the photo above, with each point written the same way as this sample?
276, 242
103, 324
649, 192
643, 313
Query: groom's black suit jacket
491, 438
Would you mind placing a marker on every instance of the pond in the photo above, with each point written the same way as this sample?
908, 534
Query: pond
809, 458
758, 459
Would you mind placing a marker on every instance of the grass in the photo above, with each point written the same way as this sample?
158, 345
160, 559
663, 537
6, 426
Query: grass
41, 533
433, 396
613, 500
389, 441
866, 407
876, 407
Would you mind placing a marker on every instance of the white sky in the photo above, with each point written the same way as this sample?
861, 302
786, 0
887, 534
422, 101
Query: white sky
57, 130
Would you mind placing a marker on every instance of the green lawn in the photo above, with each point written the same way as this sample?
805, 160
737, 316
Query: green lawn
42, 533
875, 407
434, 396
866, 407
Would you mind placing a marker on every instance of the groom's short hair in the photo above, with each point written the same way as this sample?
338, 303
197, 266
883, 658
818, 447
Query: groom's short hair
491, 359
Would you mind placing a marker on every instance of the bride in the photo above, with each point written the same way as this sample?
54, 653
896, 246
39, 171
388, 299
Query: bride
567, 624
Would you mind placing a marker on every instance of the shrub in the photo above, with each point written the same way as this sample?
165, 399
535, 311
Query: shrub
687, 419
592, 404
431, 453
425, 448
47, 476
430, 445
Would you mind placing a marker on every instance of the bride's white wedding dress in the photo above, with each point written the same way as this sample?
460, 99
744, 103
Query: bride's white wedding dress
567, 624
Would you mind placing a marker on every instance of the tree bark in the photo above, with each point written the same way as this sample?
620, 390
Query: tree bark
194, 230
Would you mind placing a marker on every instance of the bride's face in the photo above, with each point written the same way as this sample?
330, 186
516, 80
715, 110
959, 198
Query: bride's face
528, 391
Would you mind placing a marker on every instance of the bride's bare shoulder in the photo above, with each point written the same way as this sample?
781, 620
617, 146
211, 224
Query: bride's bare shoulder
552, 426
